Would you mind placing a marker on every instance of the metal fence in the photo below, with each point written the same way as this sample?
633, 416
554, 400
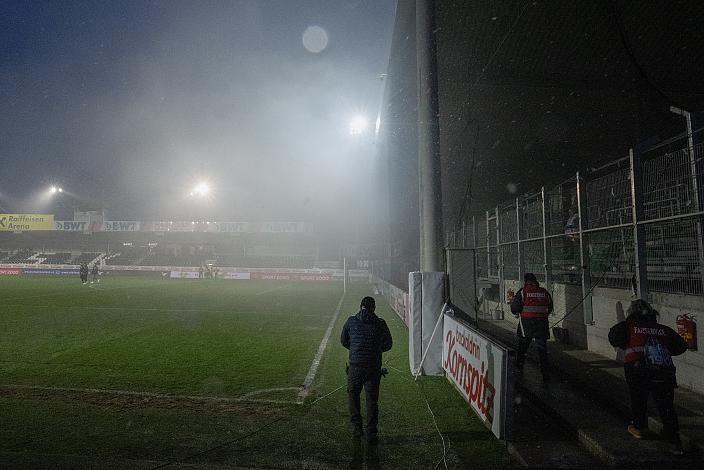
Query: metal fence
635, 223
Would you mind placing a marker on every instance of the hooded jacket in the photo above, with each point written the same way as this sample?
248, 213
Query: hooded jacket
366, 336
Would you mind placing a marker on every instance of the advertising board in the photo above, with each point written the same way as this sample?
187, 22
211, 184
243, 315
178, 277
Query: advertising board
477, 367
72, 226
236, 276
283, 276
26, 222
184, 275
50, 271
10, 271
120, 226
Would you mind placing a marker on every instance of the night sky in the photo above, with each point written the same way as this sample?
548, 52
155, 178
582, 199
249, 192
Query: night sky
128, 104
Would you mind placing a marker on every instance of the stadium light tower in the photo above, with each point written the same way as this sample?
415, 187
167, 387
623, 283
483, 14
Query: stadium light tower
56, 189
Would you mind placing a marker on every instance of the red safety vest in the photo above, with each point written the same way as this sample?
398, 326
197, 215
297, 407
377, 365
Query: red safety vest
638, 334
536, 302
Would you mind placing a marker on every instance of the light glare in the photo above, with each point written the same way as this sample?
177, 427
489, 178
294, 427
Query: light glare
358, 125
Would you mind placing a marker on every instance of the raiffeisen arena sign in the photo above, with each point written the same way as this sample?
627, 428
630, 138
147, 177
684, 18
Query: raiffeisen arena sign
26, 222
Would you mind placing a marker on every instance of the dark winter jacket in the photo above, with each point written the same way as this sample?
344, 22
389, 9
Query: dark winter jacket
366, 336
619, 334
532, 327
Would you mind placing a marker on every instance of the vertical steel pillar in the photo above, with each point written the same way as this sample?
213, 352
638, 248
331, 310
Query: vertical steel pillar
474, 233
639, 248
431, 228
488, 246
500, 259
547, 254
584, 256
519, 230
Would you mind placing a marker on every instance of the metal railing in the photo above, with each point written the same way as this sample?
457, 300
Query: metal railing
635, 223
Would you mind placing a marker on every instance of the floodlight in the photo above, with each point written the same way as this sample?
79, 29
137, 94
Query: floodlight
53, 189
358, 125
201, 189
61, 190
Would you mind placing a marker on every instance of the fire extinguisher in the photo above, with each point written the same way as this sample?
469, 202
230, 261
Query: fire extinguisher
687, 329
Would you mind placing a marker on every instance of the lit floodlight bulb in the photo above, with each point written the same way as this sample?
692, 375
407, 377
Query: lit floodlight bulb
201, 189
53, 189
358, 125
61, 190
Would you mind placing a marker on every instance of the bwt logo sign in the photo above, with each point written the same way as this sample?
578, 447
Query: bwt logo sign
71, 226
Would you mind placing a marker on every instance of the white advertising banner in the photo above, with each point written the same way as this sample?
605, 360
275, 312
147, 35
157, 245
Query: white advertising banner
476, 367
233, 275
184, 274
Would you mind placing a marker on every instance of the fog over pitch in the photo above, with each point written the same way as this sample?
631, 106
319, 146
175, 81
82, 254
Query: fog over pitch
129, 104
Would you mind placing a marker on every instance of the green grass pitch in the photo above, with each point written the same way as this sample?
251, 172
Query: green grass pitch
147, 372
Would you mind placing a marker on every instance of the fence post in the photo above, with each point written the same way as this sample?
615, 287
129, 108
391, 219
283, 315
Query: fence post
584, 257
547, 255
519, 228
500, 259
474, 236
639, 249
488, 247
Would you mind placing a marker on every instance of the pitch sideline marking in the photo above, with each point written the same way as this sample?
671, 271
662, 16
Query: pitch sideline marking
270, 290
267, 390
134, 393
319, 355
167, 310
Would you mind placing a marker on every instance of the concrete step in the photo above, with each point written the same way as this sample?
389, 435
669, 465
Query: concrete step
597, 429
541, 442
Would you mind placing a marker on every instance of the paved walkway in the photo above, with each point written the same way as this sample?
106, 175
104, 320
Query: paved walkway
588, 394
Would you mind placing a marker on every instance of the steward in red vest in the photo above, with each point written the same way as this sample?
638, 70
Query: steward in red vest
532, 304
648, 347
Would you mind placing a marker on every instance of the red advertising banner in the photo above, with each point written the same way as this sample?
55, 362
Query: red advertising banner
10, 271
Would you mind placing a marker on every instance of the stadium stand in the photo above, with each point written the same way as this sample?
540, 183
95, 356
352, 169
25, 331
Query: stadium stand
125, 258
87, 257
3, 255
291, 262
170, 259
20, 256
54, 258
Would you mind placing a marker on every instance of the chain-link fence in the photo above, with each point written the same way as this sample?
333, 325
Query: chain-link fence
634, 224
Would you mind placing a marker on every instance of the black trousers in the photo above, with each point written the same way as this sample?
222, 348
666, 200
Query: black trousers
641, 384
542, 346
368, 378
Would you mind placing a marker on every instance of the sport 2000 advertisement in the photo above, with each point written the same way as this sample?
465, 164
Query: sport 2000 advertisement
476, 367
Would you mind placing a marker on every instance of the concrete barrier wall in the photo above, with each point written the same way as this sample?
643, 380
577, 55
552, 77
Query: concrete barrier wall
610, 306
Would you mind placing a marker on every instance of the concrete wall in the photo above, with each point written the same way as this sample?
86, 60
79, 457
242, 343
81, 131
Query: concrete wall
610, 306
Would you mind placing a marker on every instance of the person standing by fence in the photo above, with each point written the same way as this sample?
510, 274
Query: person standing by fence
648, 349
532, 304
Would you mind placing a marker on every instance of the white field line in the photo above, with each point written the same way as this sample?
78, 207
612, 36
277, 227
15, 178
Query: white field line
267, 390
133, 393
167, 310
270, 290
319, 355
74, 290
